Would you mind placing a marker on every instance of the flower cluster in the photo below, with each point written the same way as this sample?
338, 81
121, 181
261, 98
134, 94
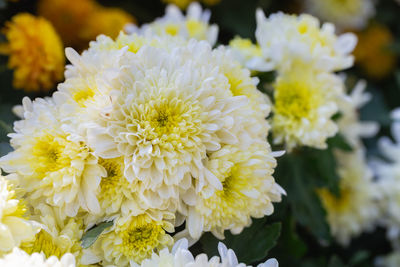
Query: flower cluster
157, 136
148, 131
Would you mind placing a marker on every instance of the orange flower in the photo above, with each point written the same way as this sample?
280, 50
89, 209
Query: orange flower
35, 53
372, 52
80, 21
108, 21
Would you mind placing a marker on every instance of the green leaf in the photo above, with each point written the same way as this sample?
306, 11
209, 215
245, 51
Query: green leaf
91, 236
359, 258
338, 141
335, 262
294, 174
251, 245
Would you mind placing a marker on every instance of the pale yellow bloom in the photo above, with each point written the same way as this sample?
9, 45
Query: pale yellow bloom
248, 190
19, 258
14, 228
54, 166
286, 39
355, 210
132, 238
305, 101
346, 14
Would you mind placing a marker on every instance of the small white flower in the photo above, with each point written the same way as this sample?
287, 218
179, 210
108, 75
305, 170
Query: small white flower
194, 25
19, 258
285, 39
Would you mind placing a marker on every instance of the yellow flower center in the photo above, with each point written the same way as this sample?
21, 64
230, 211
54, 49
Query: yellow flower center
44, 243
172, 29
235, 84
140, 238
81, 96
335, 203
167, 120
196, 29
247, 46
52, 153
293, 99
115, 178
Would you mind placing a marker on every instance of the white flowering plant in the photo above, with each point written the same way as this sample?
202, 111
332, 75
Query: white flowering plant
218, 133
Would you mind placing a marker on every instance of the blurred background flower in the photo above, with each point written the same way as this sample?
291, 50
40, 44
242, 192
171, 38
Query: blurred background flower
79, 22
35, 52
373, 52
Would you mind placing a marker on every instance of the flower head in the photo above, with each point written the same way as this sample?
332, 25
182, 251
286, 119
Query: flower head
81, 21
19, 257
373, 54
285, 39
305, 102
193, 25
132, 238
182, 257
349, 124
355, 209
346, 14
15, 229
53, 166
248, 190
387, 171
35, 53
58, 234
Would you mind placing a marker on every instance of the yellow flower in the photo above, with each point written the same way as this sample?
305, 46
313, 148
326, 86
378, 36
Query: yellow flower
107, 21
79, 22
372, 52
68, 17
35, 53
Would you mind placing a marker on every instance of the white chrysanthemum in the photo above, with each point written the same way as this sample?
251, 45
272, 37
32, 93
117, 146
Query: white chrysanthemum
388, 173
345, 14
248, 190
193, 25
355, 210
58, 234
19, 258
249, 55
52, 165
349, 124
285, 39
132, 238
305, 101
180, 256
14, 229
171, 107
